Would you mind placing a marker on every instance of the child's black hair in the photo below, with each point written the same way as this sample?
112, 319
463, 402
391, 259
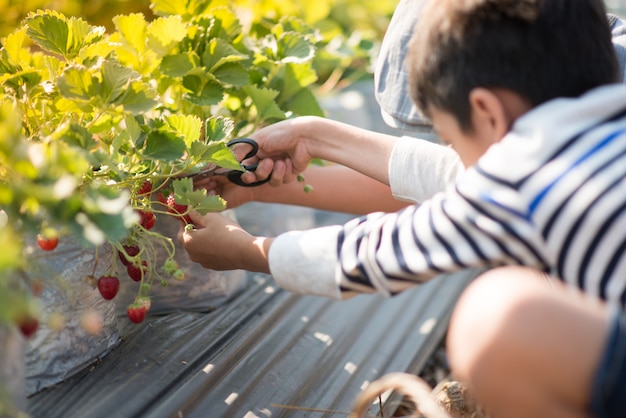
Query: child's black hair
539, 49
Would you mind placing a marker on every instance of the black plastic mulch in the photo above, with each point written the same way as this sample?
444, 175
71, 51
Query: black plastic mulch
267, 353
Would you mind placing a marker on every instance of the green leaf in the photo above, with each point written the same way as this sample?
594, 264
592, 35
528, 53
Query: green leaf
133, 29
263, 100
76, 82
294, 47
55, 33
185, 194
137, 98
115, 77
105, 214
168, 7
49, 30
164, 146
215, 153
19, 79
81, 34
10, 256
14, 53
165, 33
132, 127
188, 9
227, 25
210, 204
218, 128
203, 89
232, 74
75, 135
220, 52
106, 122
186, 126
304, 103
179, 64
96, 51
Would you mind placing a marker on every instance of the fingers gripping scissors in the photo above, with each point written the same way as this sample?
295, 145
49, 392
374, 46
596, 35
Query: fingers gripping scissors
234, 175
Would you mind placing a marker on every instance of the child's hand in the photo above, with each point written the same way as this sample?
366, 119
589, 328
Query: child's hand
284, 143
236, 195
219, 243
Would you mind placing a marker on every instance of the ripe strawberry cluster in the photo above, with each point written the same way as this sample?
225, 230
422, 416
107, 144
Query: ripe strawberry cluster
130, 256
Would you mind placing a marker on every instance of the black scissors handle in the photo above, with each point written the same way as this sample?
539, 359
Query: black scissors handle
235, 176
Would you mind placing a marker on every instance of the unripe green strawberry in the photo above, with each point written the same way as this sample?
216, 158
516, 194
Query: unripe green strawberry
179, 275
170, 266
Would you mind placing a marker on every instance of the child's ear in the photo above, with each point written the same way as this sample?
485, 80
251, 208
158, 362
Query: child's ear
489, 115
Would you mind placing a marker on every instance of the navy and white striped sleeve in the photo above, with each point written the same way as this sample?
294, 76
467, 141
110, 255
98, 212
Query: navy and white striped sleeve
387, 253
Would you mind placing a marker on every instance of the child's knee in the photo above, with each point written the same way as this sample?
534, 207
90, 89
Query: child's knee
489, 311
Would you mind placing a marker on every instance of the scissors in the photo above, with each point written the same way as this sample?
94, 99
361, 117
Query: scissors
233, 175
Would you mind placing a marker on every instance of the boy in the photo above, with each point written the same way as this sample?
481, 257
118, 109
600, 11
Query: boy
521, 89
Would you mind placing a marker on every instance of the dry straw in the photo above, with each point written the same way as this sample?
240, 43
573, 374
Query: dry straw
411, 386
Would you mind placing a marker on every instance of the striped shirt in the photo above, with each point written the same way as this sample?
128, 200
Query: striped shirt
550, 195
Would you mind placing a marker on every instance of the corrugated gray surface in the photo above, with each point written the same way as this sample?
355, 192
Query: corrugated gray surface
265, 348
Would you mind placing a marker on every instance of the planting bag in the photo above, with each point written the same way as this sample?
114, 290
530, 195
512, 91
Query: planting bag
55, 352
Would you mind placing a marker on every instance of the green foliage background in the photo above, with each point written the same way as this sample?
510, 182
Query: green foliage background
352, 29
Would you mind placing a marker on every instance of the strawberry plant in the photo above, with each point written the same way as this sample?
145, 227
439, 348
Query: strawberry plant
97, 127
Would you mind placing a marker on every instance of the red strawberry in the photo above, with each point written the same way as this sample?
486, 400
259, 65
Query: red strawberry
131, 250
28, 325
174, 207
145, 188
136, 272
177, 209
47, 243
137, 312
147, 219
161, 198
108, 286
151, 219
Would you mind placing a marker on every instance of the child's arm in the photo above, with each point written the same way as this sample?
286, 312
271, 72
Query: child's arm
415, 168
379, 252
286, 148
331, 187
